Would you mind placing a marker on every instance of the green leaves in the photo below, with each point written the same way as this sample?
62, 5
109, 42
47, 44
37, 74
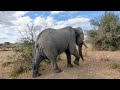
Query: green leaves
108, 31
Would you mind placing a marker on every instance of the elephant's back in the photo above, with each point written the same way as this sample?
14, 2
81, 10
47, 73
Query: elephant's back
44, 34
59, 38
44, 38
48, 33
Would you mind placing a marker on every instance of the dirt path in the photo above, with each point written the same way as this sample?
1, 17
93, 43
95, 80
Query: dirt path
97, 65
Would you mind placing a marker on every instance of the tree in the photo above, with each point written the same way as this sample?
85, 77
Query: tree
107, 34
29, 34
7, 43
28, 38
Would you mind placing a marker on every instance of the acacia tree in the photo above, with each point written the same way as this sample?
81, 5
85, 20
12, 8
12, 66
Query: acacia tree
107, 34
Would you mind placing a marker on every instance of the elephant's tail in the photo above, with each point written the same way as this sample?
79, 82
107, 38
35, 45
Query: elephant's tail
36, 46
39, 48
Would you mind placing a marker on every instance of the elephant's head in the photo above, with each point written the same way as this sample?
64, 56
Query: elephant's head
79, 40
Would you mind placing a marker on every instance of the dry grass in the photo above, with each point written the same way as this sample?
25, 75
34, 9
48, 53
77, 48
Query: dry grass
5, 67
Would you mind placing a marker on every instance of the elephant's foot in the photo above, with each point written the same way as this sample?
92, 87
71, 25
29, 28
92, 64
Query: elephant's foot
36, 74
57, 70
76, 62
69, 65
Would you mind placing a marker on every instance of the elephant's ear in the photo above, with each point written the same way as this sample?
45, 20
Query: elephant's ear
78, 31
79, 35
76, 34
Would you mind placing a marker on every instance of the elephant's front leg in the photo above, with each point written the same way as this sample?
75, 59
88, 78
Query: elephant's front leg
68, 58
76, 61
74, 52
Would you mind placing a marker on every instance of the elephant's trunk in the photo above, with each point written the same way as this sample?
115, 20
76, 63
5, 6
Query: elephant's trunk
80, 51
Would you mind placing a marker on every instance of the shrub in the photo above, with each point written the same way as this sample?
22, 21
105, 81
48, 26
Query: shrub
106, 36
23, 60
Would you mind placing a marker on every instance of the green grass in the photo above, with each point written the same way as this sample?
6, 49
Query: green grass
14, 74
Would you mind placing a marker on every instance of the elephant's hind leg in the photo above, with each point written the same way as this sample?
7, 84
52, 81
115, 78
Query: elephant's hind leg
53, 60
55, 67
52, 54
38, 59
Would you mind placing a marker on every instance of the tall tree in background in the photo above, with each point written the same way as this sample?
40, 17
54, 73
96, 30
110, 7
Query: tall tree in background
107, 33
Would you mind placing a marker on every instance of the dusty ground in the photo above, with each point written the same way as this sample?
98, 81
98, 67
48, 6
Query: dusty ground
5, 57
97, 65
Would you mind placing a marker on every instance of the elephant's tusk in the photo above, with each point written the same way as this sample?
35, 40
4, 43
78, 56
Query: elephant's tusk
85, 44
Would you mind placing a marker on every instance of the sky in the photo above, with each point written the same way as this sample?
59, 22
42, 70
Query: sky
12, 23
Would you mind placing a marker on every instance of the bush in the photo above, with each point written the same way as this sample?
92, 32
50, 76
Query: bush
107, 47
23, 60
21, 65
106, 36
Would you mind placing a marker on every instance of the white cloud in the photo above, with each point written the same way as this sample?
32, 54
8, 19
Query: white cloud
20, 13
77, 20
65, 12
56, 12
22, 21
10, 23
4, 37
50, 22
44, 22
6, 17
39, 20
74, 22
72, 12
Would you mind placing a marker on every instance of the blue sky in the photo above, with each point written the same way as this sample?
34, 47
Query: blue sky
88, 14
13, 22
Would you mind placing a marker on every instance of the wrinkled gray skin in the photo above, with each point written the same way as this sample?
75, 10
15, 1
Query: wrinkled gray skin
51, 42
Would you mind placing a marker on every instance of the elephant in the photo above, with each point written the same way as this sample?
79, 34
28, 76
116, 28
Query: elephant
52, 42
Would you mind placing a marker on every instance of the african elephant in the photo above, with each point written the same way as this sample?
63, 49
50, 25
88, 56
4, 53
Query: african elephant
52, 42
